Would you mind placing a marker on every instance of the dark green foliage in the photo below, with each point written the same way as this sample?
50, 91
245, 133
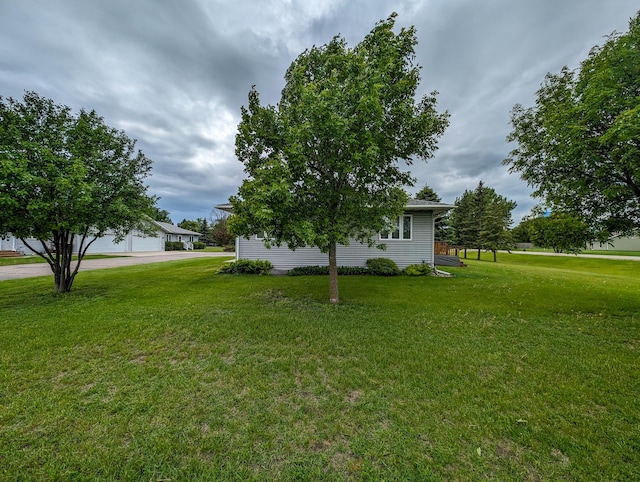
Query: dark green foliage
174, 246
247, 266
481, 220
196, 226
578, 145
382, 267
427, 194
161, 215
422, 269
199, 245
561, 232
520, 234
324, 270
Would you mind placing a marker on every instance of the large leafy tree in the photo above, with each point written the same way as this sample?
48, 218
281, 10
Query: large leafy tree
323, 165
579, 145
66, 179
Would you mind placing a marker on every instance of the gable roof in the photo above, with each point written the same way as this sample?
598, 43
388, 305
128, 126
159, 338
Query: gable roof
412, 205
171, 229
420, 205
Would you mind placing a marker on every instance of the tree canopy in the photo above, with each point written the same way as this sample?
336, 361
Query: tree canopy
66, 179
579, 145
559, 231
323, 165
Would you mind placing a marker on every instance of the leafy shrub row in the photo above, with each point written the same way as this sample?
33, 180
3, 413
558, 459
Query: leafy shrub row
199, 245
228, 249
319, 270
375, 266
247, 266
173, 246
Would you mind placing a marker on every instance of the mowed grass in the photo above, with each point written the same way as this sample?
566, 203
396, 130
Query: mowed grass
525, 369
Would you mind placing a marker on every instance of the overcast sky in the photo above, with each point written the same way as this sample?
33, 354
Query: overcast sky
174, 73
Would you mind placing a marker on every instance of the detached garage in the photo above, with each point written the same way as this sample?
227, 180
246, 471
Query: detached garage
134, 242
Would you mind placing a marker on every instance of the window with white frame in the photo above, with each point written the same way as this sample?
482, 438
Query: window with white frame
403, 229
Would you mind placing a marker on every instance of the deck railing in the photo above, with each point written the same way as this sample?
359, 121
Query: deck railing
445, 249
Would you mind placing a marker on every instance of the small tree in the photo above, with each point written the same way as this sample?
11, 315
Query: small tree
322, 166
65, 180
561, 232
220, 232
496, 219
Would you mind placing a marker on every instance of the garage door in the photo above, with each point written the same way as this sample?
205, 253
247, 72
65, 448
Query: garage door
141, 243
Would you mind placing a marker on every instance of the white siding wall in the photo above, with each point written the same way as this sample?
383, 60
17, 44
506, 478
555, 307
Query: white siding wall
134, 242
403, 252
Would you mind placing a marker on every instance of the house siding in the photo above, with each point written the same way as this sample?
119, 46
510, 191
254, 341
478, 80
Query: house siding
403, 252
133, 242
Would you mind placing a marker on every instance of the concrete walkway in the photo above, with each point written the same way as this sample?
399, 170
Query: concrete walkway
127, 259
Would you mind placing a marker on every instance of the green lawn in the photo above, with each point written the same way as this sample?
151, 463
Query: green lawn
607, 252
525, 369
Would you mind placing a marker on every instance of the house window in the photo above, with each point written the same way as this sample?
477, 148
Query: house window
403, 229
261, 235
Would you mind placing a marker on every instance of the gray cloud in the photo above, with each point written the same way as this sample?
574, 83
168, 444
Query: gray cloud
174, 74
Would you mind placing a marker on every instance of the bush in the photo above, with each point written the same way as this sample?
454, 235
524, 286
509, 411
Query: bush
418, 270
382, 267
199, 245
324, 270
229, 249
247, 266
173, 246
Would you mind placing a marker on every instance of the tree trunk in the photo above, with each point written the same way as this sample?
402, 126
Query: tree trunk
495, 255
61, 266
333, 275
479, 254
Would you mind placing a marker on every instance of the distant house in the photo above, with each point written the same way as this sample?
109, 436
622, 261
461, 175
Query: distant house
410, 243
134, 242
620, 243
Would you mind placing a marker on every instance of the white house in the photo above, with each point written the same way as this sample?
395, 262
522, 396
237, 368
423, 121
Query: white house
411, 243
134, 242
620, 243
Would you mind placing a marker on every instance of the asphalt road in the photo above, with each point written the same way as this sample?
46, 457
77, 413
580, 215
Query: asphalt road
129, 259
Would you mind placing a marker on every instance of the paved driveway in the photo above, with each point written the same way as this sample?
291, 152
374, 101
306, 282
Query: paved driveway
42, 269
